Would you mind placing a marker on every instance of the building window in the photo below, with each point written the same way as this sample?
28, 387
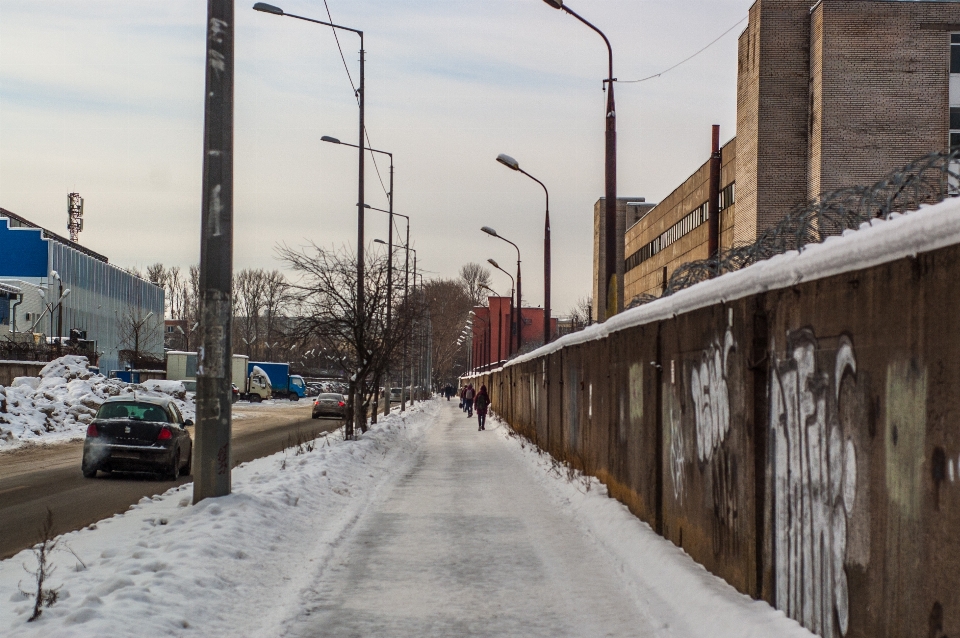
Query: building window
689, 222
955, 53
727, 194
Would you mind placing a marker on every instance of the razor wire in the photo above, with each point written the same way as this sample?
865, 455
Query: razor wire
927, 180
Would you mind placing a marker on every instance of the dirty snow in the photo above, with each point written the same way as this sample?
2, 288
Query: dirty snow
290, 547
59, 404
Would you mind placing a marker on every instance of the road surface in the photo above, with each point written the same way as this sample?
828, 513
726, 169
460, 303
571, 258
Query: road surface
35, 477
466, 544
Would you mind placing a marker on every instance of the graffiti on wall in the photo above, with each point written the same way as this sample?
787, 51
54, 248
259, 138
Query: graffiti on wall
815, 482
673, 429
711, 397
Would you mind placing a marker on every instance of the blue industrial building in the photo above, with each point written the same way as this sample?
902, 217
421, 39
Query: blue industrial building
38, 267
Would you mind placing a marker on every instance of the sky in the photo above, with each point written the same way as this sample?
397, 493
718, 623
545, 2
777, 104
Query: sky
105, 98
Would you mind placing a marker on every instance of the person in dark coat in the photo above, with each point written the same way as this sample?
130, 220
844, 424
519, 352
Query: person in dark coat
481, 403
468, 396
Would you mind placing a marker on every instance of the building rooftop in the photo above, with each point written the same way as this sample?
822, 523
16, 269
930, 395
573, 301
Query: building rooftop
19, 222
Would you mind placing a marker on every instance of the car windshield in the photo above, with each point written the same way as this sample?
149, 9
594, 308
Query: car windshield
133, 410
328, 396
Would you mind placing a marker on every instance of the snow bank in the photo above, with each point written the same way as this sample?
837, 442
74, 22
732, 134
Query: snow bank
878, 241
60, 403
230, 566
665, 582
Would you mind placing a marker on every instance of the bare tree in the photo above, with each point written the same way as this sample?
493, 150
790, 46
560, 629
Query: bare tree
325, 306
275, 299
473, 277
449, 304
249, 297
581, 313
140, 331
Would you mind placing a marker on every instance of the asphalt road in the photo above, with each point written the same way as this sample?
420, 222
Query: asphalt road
33, 478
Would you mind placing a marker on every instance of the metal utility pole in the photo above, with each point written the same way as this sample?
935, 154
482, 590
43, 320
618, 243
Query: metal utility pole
213, 459
358, 412
614, 299
511, 163
519, 323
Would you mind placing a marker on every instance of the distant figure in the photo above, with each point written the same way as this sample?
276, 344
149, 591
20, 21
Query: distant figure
463, 405
482, 402
468, 395
448, 391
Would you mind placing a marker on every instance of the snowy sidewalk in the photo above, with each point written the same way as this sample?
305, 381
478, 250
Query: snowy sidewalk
467, 544
422, 527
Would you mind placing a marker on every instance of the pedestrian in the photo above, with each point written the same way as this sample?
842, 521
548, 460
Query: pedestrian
463, 404
468, 395
481, 403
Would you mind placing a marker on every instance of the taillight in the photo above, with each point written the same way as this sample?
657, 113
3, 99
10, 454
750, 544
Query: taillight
341, 404
165, 434
92, 430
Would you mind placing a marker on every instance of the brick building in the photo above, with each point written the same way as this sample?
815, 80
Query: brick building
493, 337
829, 94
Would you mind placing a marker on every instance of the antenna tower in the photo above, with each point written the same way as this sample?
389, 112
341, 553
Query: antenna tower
74, 215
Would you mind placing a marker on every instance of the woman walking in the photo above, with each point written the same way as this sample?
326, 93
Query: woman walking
481, 403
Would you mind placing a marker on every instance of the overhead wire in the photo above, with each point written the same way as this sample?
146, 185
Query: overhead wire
685, 60
356, 95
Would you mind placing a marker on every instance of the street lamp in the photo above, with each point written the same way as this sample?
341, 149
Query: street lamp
516, 324
519, 322
614, 301
512, 164
269, 8
334, 140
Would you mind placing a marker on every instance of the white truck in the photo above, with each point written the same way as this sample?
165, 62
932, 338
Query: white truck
182, 366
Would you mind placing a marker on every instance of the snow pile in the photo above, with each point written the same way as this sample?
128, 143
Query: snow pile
665, 582
230, 566
60, 403
876, 242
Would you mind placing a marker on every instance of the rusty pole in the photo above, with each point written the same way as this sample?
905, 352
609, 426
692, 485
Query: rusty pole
713, 204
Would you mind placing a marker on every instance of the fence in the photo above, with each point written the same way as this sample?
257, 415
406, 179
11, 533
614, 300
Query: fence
799, 442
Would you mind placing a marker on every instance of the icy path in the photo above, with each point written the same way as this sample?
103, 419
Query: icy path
467, 544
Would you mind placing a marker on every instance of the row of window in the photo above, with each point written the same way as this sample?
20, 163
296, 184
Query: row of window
690, 221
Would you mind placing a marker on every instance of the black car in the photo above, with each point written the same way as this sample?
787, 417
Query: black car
138, 435
330, 404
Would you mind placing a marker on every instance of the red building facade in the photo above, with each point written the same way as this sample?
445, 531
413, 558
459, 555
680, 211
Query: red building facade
494, 336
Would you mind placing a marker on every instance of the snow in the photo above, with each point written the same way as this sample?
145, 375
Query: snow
422, 527
876, 242
58, 405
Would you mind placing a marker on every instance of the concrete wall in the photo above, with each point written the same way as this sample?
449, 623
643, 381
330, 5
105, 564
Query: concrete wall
801, 443
9, 370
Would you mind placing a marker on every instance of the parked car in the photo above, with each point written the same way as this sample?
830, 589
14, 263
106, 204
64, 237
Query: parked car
235, 392
395, 394
314, 389
330, 404
138, 435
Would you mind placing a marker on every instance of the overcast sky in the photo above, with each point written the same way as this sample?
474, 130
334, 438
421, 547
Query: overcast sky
106, 98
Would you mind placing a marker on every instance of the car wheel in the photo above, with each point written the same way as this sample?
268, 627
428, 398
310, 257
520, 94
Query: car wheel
188, 468
174, 472
256, 398
88, 472
294, 397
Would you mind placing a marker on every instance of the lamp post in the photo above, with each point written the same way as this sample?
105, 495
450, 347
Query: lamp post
333, 140
512, 164
515, 324
519, 323
361, 350
406, 287
614, 300
499, 324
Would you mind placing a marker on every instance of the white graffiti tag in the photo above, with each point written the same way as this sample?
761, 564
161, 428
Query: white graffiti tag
711, 399
814, 485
